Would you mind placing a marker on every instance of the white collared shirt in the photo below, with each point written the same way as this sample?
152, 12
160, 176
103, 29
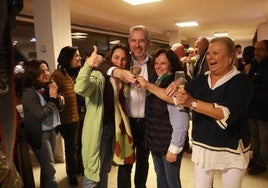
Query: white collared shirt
136, 98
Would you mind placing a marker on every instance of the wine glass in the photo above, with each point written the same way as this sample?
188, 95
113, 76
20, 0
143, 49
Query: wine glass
135, 70
180, 79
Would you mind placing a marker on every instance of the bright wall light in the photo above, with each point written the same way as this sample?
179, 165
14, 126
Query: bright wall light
221, 34
138, 2
187, 24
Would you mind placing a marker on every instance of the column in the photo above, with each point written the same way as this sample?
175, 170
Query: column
52, 24
174, 37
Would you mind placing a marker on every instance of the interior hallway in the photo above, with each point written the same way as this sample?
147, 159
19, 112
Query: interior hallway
259, 181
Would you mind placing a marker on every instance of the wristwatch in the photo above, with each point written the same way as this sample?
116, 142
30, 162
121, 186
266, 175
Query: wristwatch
194, 104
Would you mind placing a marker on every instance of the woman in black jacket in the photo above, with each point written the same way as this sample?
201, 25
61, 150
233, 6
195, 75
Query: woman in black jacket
40, 100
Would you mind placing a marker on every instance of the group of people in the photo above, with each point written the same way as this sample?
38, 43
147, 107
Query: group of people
130, 110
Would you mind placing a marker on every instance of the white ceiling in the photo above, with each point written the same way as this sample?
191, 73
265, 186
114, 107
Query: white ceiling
239, 17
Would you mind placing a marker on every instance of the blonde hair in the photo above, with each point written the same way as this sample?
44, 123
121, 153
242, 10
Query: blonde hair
229, 46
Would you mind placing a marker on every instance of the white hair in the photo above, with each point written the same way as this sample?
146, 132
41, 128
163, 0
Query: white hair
175, 46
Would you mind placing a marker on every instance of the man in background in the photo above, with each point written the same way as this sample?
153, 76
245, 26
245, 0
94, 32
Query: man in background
258, 119
201, 66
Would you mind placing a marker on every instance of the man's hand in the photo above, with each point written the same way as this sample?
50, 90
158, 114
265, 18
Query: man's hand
124, 75
95, 59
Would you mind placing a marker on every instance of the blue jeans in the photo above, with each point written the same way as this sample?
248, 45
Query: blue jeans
44, 156
167, 174
106, 157
142, 157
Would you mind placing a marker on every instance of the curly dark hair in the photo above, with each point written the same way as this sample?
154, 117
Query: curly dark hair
172, 58
32, 71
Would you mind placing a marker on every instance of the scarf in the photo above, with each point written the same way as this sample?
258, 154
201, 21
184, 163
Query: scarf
124, 152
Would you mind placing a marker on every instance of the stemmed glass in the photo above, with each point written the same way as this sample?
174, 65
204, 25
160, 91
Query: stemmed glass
135, 70
180, 79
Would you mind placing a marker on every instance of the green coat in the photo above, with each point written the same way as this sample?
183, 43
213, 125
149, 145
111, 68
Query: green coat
90, 84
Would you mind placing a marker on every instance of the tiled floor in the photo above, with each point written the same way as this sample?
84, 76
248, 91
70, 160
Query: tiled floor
260, 181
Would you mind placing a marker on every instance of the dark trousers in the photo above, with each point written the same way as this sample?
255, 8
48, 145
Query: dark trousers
69, 132
138, 129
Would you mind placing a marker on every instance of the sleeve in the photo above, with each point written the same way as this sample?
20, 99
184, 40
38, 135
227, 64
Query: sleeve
106, 68
180, 123
87, 81
31, 103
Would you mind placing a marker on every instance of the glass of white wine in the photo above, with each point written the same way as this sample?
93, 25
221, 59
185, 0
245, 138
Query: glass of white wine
180, 79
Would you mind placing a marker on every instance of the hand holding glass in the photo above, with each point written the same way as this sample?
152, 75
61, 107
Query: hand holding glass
135, 70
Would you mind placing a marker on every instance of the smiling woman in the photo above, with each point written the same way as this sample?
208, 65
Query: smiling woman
220, 128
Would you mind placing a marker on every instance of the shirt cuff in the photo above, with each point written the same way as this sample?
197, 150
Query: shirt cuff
174, 149
110, 71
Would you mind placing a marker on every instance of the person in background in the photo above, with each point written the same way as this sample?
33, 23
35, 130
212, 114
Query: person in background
106, 119
219, 101
239, 53
179, 49
258, 119
167, 127
201, 66
19, 68
238, 49
69, 60
247, 59
184, 61
40, 101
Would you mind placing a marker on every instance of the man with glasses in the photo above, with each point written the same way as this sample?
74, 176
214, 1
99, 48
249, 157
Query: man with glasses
258, 119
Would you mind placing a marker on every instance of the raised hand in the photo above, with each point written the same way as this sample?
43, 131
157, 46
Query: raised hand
53, 89
95, 59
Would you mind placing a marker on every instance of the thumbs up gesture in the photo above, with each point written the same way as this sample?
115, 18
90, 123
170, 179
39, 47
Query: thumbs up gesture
95, 59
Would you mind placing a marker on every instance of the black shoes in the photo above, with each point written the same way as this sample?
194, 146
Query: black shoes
72, 180
256, 169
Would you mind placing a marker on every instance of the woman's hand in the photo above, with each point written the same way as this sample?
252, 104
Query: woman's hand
124, 75
172, 88
141, 82
53, 89
95, 59
184, 98
170, 157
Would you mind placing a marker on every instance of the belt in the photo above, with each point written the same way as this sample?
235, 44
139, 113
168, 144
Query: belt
137, 120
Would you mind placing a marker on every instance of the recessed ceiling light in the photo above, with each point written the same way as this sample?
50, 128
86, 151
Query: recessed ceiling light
138, 2
221, 34
187, 24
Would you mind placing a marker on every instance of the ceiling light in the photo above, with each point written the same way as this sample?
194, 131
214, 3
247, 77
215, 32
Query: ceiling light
187, 24
114, 42
79, 35
33, 39
221, 34
138, 2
